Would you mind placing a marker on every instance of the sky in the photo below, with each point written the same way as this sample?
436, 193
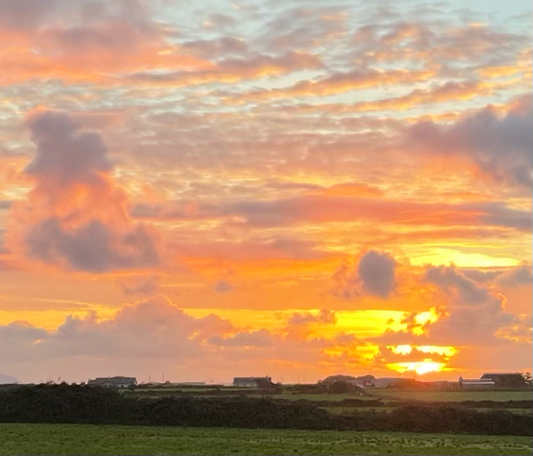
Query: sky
201, 190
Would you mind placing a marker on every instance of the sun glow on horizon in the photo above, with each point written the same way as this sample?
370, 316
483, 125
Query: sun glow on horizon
406, 349
420, 367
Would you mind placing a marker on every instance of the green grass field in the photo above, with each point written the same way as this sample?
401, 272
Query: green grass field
320, 397
57, 439
385, 394
450, 396
356, 410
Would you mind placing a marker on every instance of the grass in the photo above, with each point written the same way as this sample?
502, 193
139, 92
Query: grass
321, 397
387, 395
59, 439
450, 396
355, 410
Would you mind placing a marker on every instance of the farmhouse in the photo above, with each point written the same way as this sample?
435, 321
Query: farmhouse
251, 382
476, 383
113, 382
506, 379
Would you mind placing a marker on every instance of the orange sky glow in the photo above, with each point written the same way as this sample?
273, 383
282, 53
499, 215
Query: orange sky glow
297, 189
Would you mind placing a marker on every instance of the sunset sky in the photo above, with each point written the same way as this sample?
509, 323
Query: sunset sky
207, 189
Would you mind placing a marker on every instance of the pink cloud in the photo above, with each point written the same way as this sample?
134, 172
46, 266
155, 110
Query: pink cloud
75, 214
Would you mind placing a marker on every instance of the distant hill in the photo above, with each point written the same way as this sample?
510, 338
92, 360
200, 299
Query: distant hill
7, 379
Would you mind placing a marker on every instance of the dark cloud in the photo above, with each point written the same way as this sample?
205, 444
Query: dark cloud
501, 146
65, 154
376, 271
373, 274
521, 275
454, 282
93, 246
518, 275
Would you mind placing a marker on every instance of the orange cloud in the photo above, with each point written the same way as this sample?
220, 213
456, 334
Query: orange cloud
74, 214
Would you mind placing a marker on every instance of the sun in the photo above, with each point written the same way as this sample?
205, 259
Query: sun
419, 367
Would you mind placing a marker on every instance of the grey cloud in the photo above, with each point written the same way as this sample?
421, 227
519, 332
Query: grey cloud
222, 286
374, 274
450, 279
93, 246
26, 14
35, 14
65, 154
500, 146
376, 271
520, 275
460, 325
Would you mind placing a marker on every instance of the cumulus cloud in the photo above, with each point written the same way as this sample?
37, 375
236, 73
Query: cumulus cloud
374, 275
151, 328
454, 282
499, 145
75, 214
147, 335
376, 270
470, 315
519, 275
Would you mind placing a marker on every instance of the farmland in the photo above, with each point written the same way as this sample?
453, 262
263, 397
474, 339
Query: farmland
384, 394
451, 396
74, 419
61, 439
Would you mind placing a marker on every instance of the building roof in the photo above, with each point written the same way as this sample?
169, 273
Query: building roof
235, 379
114, 380
479, 380
499, 374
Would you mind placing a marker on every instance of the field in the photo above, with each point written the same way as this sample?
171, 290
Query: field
355, 410
384, 394
451, 396
59, 439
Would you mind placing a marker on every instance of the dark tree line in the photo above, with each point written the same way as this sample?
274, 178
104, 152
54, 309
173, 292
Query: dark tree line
81, 404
